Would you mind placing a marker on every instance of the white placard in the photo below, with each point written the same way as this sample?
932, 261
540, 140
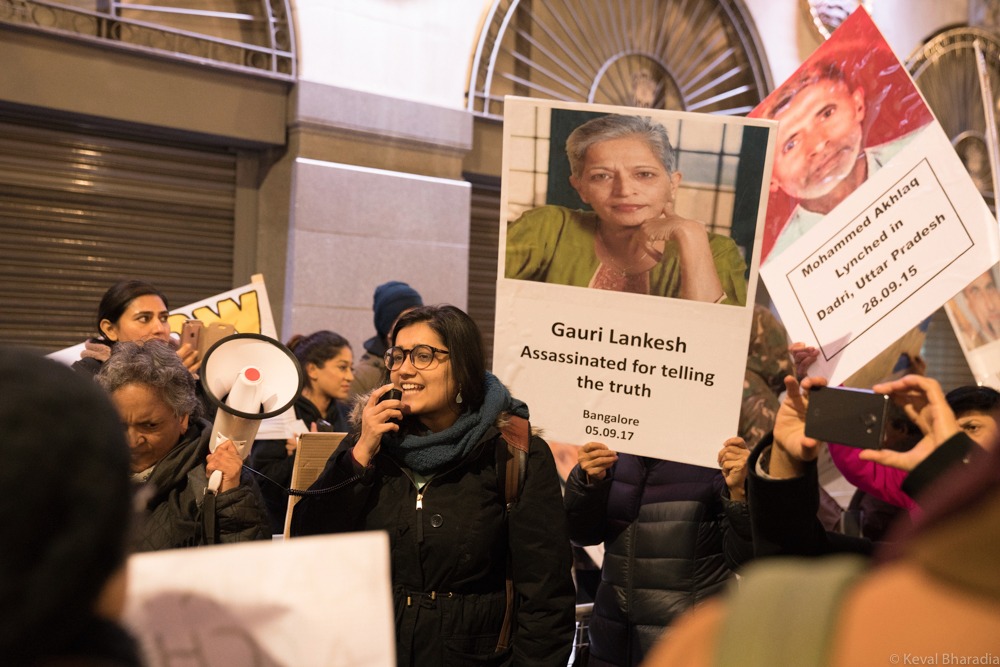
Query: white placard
899, 247
649, 374
975, 317
313, 601
618, 388
875, 222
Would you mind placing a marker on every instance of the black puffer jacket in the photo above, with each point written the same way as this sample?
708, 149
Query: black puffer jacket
173, 516
671, 538
449, 553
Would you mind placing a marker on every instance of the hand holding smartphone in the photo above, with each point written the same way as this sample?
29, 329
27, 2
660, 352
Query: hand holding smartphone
191, 333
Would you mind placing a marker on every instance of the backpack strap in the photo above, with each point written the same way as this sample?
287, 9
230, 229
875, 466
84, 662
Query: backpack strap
512, 467
513, 458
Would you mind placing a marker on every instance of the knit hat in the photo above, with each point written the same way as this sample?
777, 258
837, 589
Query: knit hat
391, 299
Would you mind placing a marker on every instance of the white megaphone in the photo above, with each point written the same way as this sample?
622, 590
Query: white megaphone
249, 377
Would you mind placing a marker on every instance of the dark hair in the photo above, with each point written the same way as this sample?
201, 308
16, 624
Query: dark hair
65, 503
117, 298
155, 364
824, 70
971, 397
317, 348
461, 336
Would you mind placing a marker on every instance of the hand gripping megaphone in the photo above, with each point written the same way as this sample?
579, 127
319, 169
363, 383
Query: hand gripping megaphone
249, 377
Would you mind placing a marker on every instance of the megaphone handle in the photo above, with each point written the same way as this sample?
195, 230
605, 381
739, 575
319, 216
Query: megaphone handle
215, 482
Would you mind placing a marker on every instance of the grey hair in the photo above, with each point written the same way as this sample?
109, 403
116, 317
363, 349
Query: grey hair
616, 126
155, 364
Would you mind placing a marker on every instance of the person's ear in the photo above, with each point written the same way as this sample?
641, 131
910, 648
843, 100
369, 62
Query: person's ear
675, 181
184, 423
575, 182
109, 330
858, 97
312, 372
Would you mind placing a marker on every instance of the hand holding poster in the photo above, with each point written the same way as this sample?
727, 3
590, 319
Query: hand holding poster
875, 222
623, 322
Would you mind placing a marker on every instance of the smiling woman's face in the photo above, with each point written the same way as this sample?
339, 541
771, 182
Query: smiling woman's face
429, 394
625, 182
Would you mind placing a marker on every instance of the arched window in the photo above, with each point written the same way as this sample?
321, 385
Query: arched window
700, 55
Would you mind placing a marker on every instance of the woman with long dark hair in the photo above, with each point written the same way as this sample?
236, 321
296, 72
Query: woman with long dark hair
426, 468
130, 310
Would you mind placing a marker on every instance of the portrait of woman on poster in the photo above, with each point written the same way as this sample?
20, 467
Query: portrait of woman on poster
624, 168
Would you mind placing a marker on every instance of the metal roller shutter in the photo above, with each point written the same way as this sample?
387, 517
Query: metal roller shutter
82, 207
484, 235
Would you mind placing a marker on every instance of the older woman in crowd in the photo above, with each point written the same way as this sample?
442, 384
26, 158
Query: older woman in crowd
633, 240
426, 469
155, 397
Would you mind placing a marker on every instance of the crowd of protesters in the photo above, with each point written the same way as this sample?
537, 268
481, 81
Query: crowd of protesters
482, 565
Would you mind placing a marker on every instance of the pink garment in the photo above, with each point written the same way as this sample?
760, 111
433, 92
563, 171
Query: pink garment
873, 478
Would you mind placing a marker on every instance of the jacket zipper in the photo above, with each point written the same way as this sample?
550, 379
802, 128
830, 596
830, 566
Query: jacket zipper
420, 497
420, 514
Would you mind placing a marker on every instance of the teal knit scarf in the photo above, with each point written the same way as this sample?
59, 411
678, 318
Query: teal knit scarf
427, 454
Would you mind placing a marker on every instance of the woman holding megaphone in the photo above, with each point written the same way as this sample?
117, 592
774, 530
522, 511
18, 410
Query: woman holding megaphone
169, 442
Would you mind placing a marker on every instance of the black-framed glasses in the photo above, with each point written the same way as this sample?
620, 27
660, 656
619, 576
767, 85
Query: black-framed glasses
421, 356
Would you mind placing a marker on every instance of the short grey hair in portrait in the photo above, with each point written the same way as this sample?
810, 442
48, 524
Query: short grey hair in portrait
616, 126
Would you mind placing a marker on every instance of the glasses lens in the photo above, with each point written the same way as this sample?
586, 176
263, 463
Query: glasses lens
422, 356
394, 357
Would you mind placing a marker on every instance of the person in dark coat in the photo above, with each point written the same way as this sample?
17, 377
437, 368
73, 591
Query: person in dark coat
155, 396
930, 591
423, 468
65, 512
326, 360
673, 534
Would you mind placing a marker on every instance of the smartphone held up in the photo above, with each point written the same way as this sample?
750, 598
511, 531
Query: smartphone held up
854, 417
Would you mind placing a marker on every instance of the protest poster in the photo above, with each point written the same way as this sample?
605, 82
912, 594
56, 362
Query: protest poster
194, 607
247, 308
975, 317
873, 222
628, 323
